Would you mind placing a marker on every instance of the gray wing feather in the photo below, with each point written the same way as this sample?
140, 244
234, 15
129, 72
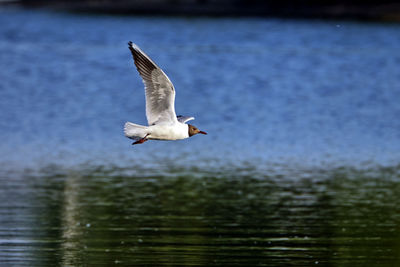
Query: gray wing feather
184, 119
160, 92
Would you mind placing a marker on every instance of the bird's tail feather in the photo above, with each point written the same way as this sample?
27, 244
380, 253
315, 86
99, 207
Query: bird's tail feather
135, 131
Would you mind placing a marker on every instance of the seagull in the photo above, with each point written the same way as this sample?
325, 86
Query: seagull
160, 105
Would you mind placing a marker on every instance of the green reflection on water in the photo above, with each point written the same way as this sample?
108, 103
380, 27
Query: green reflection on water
339, 217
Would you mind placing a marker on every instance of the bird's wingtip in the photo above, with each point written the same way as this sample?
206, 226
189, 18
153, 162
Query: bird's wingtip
133, 45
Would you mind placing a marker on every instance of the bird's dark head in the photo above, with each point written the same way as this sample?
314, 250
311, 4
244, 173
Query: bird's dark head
193, 130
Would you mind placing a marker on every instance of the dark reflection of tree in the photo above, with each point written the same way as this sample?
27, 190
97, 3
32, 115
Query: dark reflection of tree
366, 225
340, 216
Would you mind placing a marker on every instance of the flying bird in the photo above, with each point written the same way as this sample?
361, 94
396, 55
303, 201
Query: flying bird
160, 105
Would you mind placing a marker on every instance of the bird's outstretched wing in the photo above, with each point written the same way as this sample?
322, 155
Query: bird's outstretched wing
184, 119
160, 92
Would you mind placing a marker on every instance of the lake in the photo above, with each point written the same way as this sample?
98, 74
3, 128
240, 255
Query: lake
300, 167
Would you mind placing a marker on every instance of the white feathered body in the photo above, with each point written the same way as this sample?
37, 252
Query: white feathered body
163, 131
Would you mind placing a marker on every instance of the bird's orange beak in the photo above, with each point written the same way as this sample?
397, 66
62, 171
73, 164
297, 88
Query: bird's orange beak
202, 132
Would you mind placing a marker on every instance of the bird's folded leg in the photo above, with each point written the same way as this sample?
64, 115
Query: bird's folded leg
141, 141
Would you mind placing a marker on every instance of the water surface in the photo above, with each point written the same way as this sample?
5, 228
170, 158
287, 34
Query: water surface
300, 167
342, 217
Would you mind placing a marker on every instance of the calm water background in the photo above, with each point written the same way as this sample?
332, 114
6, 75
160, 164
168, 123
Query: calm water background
301, 165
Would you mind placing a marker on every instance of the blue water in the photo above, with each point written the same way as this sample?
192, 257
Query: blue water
266, 90
300, 165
